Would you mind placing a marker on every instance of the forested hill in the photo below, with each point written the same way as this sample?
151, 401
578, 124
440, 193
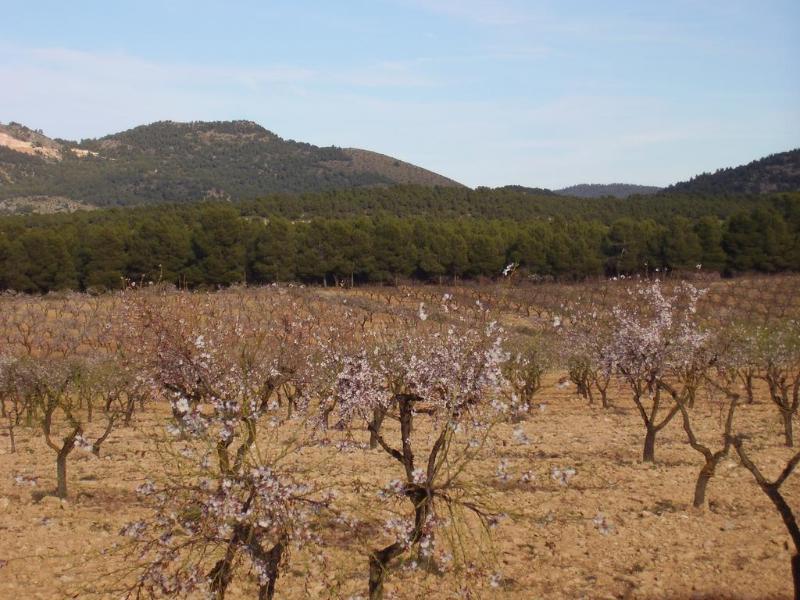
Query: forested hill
614, 190
774, 173
181, 162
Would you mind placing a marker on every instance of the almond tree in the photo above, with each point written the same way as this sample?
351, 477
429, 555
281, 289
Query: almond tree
529, 360
779, 349
11, 405
654, 337
54, 392
743, 349
711, 360
448, 374
228, 504
585, 343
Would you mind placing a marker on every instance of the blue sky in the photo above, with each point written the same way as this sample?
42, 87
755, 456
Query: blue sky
535, 93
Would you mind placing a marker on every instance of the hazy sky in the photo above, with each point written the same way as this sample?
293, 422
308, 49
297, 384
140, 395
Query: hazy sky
530, 92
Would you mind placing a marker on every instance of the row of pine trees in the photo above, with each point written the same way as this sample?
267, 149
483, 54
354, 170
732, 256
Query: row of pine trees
217, 245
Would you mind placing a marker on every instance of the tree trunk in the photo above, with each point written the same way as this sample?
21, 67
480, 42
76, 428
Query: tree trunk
796, 575
649, 454
706, 473
326, 419
378, 414
267, 592
380, 559
378, 562
129, 410
61, 473
220, 576
787, 428
11, 434
690, 398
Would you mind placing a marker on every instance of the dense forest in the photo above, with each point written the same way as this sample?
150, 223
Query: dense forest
387, 235
510, 202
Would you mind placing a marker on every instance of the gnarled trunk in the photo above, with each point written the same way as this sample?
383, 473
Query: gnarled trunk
705, 475
61, 472
649, 454
378, 563
787, 428
380, 559
274, 556
748, 385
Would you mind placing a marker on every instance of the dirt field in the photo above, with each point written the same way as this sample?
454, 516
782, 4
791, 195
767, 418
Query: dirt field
551, 546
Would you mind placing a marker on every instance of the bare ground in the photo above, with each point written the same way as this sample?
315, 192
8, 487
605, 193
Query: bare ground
549, 547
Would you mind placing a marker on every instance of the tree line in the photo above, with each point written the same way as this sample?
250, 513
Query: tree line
220, 244
509, 202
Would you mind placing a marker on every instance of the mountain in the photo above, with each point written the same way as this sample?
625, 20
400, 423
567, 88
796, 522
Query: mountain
774, 173
183, 162
614, 190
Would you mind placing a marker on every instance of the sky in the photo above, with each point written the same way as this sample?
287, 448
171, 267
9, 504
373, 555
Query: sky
535, 93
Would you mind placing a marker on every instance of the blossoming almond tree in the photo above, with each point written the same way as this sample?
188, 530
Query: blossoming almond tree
655, 336
228, 498
440, 379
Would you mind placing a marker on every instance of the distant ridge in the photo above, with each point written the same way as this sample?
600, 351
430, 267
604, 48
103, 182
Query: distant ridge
169, 161
600, 190
775, 173
525, 190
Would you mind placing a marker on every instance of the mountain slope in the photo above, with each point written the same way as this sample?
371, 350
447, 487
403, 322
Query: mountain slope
774, 173
614, 190
184, 162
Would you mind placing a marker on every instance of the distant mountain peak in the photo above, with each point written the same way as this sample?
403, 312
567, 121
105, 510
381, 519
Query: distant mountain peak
171, 161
